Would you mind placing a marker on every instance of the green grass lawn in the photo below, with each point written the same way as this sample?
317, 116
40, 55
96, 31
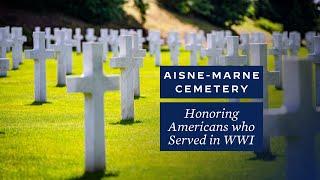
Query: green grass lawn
47, 141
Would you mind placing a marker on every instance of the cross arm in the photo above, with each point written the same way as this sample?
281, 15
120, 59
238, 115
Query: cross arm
29, 54
281, 122
118, 62
78, 84
111, 83
233, 60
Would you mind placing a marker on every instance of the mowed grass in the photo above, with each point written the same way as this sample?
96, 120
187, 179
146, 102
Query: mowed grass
47, 141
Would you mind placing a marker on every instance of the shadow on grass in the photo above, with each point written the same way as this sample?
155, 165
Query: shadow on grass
2, 133
126, 122
35, 103
97, 175
60, 85
139, 97
4, 77
265, 156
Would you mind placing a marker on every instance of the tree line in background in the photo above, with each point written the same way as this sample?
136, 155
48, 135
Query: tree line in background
301, 15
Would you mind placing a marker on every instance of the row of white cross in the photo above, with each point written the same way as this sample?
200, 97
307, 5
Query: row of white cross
286, 121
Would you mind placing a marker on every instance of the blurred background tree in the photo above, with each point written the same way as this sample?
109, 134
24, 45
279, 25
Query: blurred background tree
142, 6
300, 15
222, 13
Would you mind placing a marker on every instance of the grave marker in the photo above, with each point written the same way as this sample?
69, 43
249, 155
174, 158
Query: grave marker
141, 38
37, 29
69, 44
315, 57
78, 38
212, 51
114, 42
127, 63
232, 58
90, 37
157, 42
257, 37
258, 56
138, 55
193, 47
4, 62
297, 119
60, 49
39, 54
49, 37
17, 46
174, 44
309, 41
294, 43
277, 51
244, 46
93, 83
104, 38
7, 36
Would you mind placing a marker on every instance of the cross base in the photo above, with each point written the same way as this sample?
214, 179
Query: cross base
4, 67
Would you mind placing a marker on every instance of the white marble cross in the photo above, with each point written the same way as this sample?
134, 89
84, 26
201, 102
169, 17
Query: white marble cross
104, 38
309, 40
173, 42
124, 32
127, 64
39, 54
244, 46
78, 38
69, 44
315, 57
49, 37
212, 51
150, 42
285, 41
201, 39
17, 46
138, 55
4, 44
141, 38
294, 43
114, 42
186, 38
90, 37
220, 40
37, 29
60, 48
258, 56
93, 83
157, 42
257, 37
297, 119
193, 47
277, 51
232, 58
7, 36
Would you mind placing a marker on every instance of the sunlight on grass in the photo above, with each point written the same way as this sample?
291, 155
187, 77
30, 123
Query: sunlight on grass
47, 141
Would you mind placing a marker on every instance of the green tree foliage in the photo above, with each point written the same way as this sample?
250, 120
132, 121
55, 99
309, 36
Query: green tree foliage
142, 6
298, 15
94, 11
220, 12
